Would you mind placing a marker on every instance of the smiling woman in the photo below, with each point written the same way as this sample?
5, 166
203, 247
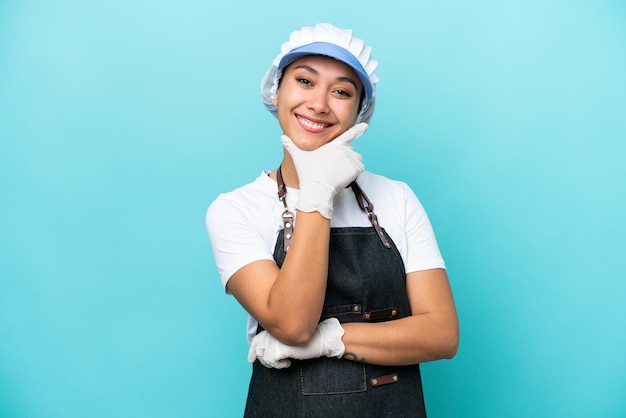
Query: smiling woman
342, 309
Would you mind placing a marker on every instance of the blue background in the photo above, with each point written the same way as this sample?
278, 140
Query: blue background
120, 122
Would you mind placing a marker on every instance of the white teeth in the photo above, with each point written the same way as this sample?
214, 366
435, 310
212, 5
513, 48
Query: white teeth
312, 125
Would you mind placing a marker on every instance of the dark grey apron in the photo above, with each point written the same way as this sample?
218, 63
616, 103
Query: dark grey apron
366, 282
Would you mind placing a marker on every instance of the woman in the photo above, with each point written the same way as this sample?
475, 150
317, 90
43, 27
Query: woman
344, 302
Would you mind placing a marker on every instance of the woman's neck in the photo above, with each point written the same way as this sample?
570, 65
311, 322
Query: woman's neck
288, 170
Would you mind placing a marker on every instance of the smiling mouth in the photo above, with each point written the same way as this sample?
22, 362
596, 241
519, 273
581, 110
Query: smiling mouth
312, 125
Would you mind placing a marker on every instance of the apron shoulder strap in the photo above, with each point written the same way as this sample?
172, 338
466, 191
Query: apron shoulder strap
368, 208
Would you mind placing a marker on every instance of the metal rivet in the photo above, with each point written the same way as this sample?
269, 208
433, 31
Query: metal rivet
357, 308
394, 313
395, 378
374, 382
288, 225
368, 316
288, 236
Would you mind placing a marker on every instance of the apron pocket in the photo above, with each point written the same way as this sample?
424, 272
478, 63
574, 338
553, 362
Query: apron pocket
327, 376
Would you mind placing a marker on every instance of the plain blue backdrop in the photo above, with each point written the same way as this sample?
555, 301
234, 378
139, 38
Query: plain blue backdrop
120, 122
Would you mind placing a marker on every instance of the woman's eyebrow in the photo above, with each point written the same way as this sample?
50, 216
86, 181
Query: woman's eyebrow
349, 80
314, 71
308, 68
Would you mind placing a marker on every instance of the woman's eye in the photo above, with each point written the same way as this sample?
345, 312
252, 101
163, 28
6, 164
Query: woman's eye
304, 81
343, 93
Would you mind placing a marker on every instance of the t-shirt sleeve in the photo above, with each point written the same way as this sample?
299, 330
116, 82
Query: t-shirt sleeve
422, 249
235, 240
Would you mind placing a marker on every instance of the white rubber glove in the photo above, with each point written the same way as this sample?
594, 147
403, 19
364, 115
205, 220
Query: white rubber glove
325, 342
325, 170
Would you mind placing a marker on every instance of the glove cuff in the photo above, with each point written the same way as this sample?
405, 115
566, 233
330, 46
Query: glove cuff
315, 197
332, 333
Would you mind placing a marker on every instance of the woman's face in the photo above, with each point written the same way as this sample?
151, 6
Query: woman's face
318, 99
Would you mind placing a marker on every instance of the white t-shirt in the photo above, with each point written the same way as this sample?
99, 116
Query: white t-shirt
243, 225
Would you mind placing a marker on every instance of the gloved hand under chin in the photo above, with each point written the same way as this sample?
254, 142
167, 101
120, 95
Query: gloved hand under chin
325, 170
325, 342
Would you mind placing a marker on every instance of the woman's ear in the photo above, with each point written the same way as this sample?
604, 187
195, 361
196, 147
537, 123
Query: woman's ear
276, 99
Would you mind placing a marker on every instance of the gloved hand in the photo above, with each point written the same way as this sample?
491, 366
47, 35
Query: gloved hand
325, 170
325, 341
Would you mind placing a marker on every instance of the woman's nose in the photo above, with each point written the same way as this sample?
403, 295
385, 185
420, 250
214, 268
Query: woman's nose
318, 102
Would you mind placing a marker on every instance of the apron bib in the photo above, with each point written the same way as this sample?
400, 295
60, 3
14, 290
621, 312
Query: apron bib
366, 282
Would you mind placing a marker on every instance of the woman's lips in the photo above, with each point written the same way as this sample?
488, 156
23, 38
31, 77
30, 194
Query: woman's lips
311, 125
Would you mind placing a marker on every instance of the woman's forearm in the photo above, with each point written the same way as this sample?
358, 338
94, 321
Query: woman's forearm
411, 340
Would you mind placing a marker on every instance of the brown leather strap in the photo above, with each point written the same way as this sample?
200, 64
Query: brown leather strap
384, 380
368, 207
376, 315
287, 215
